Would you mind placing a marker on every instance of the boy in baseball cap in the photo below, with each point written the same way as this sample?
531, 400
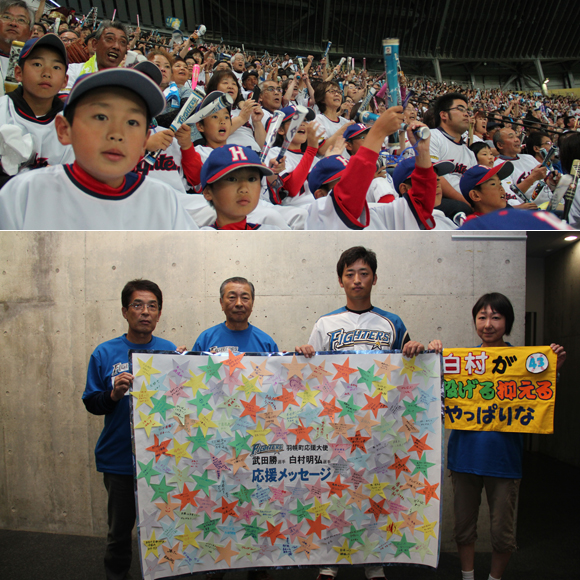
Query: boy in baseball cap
33, 106
482, 188
231, 182
106, 120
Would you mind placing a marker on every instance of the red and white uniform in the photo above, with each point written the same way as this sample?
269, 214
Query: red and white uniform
64, 197
444, 148
298, 166
523, 165
47, 147
346, 207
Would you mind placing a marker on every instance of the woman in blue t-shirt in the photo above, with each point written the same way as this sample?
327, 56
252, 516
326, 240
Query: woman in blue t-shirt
489, 459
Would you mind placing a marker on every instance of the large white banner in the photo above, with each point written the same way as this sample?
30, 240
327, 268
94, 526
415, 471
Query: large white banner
249, 461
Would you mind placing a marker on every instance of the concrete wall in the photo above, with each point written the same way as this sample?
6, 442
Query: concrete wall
60, 298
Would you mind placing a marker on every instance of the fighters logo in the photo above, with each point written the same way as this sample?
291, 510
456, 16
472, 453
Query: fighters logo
257, 449
341, 340
120, 368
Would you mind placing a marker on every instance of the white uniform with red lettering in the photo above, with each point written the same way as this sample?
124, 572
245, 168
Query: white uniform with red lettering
444, 148
53, 198
47, 147
523, 165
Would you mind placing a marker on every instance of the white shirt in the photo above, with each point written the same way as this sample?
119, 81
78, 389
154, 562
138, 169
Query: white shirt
52, 199
443, 148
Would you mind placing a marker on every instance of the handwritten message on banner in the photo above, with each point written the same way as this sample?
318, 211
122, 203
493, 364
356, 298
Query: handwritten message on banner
260, 461
500, 389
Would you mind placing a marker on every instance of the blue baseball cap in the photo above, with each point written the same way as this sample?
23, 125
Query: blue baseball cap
127, 78
480, 174
48, 40
405, 167
228, 158
326, 170
353, 131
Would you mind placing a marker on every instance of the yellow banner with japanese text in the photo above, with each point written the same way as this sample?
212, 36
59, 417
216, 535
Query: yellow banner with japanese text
509, 389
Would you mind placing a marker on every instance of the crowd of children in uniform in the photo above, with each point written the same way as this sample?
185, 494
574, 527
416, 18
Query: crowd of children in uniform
85, 169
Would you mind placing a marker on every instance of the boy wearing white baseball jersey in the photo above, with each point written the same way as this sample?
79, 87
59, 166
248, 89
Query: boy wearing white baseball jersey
106, 120
33, 106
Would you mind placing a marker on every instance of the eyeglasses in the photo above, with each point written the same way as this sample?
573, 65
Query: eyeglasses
20, 20
140, 306
459, 108
334, 92
272, 90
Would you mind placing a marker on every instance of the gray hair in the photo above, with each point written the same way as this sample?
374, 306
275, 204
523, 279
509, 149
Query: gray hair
5, 4
110, 24
236, 280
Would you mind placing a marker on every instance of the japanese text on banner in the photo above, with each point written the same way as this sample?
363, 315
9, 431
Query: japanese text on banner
500, 389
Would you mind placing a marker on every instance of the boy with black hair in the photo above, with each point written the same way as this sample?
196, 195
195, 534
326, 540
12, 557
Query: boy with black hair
106, 120
231, 181
482, 188
34, 104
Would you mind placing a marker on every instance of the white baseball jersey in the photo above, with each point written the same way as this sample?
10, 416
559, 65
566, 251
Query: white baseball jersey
57, 198
523, 165
167, 167
381, 186
47, 147
244, 135
343, 329
326, 214
305, 197
405, 213
444, 148
330, 127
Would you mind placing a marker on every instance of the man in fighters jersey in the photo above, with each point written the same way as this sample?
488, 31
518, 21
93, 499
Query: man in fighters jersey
358, 326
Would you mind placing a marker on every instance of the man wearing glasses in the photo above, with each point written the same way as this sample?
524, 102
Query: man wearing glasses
270, 99
106, 393
16, 21
447, 144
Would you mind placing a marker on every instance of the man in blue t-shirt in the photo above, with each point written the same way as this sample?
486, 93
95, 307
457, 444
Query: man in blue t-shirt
236, 333
107, 393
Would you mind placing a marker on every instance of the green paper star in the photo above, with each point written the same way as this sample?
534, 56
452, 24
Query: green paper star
422, 465
161, 406
354, 535
204, 483
161, 490
180, 477
209, 526
211, 369
411, 408
244, 494
369, 548
147, 471
240, 443
349, 408
199, 440
301, 511
252, 530
368, 377
403, 546
201, 402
